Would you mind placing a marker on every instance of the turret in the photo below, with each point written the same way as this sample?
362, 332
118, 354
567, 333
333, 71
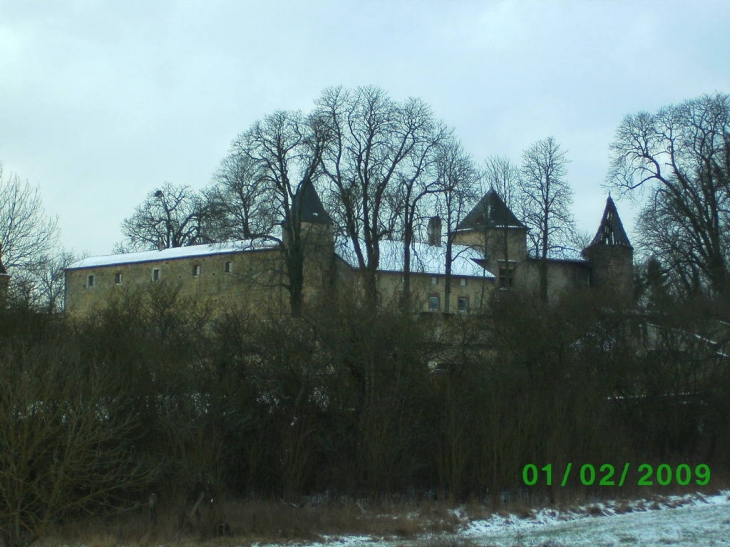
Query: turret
315, 224
317, 239
611, 255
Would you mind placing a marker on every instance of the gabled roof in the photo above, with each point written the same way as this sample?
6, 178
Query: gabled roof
611, 232
490, 212
309, 206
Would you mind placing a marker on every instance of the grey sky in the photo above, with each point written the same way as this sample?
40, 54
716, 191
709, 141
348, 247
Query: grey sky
101, 101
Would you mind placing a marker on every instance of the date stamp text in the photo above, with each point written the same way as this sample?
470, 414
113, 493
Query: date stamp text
607, 475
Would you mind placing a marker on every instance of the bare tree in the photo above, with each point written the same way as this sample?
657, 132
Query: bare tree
26, 233
171, 216
419, 177
373, 138
458, 187
285, 151
547, 198
41, 286
67, 444
242, 200
27, 241
504, 177
681, 156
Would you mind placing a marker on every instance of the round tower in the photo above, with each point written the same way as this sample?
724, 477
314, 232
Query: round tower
611, 256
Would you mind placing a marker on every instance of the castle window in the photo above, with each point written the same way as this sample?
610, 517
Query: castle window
506, 277
228, 268
434, 280
433, 303
463, 304
196, 270
90, 281
462, 281
156, 274
118, 278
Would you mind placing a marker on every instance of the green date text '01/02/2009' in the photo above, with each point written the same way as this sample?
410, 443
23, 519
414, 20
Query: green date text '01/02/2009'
606, 475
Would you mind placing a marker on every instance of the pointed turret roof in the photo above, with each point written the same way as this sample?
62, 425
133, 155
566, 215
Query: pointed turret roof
490, 212
611, 232
309, 205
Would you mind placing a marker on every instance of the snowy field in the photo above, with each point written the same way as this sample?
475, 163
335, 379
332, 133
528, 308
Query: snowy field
701, 521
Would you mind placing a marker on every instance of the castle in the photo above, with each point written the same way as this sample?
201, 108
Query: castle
488, 249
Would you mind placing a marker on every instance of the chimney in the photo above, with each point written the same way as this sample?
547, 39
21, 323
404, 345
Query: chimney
434, 231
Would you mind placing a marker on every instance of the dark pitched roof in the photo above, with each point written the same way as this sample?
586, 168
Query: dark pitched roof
309, 206
490, 212
611, 231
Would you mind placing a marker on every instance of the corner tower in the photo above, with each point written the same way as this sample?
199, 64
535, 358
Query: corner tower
317, 242
308, 211
611, 255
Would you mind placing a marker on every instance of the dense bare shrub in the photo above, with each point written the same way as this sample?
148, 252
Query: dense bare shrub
67, 445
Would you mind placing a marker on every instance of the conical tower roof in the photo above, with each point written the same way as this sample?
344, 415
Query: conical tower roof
490, 212
611, 232
309, 206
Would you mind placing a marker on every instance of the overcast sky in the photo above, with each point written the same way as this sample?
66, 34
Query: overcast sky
101, 102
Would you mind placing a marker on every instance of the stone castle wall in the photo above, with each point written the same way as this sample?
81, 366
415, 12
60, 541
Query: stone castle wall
563, 276
249, 280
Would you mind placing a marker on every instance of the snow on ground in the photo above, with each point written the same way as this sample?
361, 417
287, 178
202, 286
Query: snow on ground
684, 521
699, 521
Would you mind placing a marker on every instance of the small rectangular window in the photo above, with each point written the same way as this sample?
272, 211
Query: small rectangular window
434, 281
156, 274
118, 278
228, 268
90, 281
196, 270
506, 278
433, 303
462, 281
463, 304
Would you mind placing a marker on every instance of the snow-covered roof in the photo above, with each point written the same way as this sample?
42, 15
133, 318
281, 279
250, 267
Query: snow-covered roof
425, 258
176, 252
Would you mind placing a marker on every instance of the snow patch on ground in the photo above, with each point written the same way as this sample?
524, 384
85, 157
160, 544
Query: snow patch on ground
691, 520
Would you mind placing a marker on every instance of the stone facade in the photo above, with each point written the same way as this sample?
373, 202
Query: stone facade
490, 254
235, 275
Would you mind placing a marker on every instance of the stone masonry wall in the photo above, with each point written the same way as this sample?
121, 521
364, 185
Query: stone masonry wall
252, 281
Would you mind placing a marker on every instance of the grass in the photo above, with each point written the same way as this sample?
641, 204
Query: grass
421, 523
256, 521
